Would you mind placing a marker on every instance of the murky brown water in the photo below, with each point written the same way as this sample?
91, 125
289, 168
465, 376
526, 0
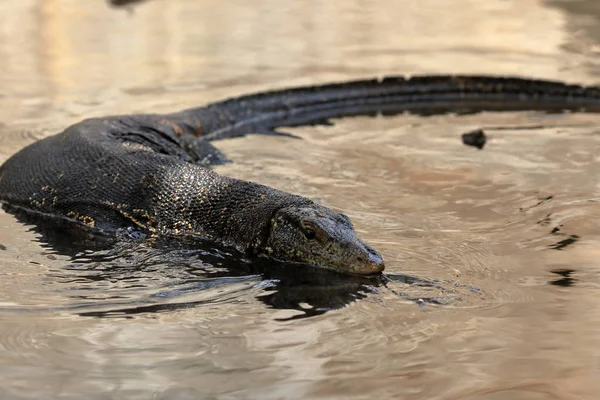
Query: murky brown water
505, 238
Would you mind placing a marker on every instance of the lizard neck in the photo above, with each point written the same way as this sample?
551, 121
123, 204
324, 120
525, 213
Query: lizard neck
226, 210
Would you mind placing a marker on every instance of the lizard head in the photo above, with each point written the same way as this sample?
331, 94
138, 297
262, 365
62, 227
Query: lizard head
318, 236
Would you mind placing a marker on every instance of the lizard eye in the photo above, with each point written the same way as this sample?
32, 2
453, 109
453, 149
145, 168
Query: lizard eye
309, 233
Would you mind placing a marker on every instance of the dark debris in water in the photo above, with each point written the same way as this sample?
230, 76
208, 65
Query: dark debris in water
567, 241
560, 245
475, 138
545, 221
541, 201
556, 229
566, 280
124, 3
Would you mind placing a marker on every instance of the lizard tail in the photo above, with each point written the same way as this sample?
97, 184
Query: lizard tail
426, 95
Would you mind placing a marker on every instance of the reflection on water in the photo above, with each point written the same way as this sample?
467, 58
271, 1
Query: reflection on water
132, 274
566, 279
492, 277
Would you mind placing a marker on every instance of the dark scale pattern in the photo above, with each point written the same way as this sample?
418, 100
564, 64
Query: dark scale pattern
109, 178
148, 171
195, 201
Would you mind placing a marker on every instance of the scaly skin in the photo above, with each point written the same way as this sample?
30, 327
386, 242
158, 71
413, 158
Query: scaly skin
149, 171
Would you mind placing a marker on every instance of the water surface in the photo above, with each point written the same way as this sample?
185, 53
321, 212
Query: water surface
491, 280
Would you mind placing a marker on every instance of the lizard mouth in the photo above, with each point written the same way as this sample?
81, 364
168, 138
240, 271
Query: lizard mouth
369, 263
360, 259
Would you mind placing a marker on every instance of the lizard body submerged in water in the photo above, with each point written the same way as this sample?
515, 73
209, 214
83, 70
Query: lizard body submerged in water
149, 171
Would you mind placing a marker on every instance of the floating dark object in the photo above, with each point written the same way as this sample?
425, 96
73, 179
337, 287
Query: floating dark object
566, 280
123, 3
565, 242
475, 138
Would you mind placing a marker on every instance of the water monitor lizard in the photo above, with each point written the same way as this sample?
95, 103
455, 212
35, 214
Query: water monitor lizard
150, 171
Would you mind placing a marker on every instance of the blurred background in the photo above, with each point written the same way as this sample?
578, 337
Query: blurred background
69, 53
